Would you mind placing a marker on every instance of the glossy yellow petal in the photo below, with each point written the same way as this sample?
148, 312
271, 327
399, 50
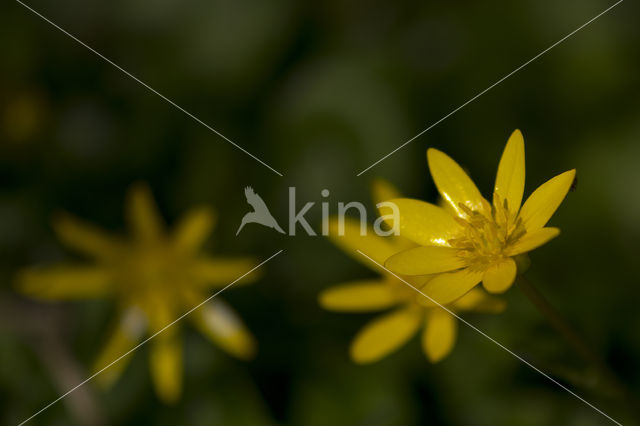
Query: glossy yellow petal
86, 238
65, 282
510, 179
143, 215
449, 286
532, 240
425, 260
384, 335
166, 365
440, 202
124, 337
359, 296
500, 276
544, 201
213, 271
454, 185
194, 229
382, 190
223, 327
424, 223
479, 301
413, 292
377, 247
418, 290
439, 334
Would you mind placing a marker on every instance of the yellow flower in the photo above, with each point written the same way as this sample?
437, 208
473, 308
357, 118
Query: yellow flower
471, 240
154, 277
411, 310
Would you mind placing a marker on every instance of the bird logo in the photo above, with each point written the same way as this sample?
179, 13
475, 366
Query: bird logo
260, 213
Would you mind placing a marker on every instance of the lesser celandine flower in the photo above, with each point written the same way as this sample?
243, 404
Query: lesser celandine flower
411, 311
471, 240
154, 277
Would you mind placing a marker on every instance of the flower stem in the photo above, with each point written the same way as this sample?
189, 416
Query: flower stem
558, 322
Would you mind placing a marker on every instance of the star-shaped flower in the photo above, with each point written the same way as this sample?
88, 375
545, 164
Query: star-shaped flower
154, 277
471, 240
411, 310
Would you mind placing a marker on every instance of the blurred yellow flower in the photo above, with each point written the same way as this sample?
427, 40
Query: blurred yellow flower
411, 310
154, 277
471, 240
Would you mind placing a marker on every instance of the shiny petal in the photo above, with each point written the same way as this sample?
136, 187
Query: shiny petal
447, 287
453, 183
193, 229
359, 296
439, 334
166, 365
500, 276
510, 179
214, 272
143, 215
532, 240
377, 247
382, 190
479, 301
424, 223
384, 335
65, 282
544, 201
85, 238
425, 260
221, 324
124, 337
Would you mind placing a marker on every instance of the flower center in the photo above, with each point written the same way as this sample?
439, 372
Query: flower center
151, 269
484, 240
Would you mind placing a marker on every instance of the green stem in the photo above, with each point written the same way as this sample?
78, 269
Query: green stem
558, 322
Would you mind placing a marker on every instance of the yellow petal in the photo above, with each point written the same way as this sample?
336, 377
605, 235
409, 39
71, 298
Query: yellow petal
453, 183
221, 324
532, 240
142, 213
418, 296
212, 272
440, 202
479, 301
359, 296
166, 349
193, 229
166, 365
124, 337
439, 334
449, 286
424, 223
510, 179
384, 335
65, 282
499, 277
544, 201
85, 238
382, 190
377, 247
425, 260
160, 309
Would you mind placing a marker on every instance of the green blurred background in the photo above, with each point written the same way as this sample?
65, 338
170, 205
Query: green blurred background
319, 91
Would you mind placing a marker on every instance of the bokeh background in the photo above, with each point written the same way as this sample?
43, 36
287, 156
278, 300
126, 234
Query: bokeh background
319, 91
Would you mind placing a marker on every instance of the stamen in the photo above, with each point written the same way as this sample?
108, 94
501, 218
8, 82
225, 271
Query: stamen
484, 239
465, 209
